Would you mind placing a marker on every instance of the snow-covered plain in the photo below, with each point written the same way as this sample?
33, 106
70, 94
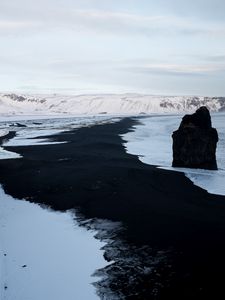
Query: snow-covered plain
125, 104
45, 254
151, 140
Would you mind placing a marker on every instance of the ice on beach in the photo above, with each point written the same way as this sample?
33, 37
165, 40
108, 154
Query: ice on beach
212, 181
151, 140
28, 137
45, 254
3, 132
4, 154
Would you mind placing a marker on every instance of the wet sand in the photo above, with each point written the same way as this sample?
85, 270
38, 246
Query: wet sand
161, 209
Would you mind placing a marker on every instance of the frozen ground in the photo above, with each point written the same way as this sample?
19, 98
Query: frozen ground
44, 254
151, 141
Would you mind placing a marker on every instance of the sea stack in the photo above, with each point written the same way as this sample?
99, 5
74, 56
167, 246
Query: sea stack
195, 141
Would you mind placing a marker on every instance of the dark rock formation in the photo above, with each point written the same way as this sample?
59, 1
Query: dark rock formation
194, 143
37, 123
17, 125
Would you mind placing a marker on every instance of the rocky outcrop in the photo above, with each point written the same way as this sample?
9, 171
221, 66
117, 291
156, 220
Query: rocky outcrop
194, 143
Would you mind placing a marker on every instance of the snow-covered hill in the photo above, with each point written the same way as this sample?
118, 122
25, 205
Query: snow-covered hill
106, 103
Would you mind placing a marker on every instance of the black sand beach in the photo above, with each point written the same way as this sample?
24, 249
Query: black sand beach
158, 208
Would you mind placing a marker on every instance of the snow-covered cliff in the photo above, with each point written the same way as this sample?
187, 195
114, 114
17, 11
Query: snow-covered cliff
105, 103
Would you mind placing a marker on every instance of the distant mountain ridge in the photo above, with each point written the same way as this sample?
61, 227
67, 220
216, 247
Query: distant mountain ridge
126, 104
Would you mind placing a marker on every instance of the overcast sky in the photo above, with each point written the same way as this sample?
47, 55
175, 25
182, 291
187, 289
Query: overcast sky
172, 47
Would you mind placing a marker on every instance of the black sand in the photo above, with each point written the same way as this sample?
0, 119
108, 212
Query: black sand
162, 209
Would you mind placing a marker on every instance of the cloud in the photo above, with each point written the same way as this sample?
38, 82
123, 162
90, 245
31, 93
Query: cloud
200, 9
12, 25
177, 69
69, 18
113, 43
215, 58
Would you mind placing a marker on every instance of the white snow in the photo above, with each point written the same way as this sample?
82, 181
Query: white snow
44, 254
151, 141
3, 132
4, 154
27, 137
125, 104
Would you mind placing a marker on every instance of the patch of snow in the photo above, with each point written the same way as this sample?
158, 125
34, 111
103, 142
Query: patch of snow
212, 181
45, 254
27, 137
3, 132
151, 141
4, 154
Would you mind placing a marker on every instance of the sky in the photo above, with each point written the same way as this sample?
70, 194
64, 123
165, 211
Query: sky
166, 47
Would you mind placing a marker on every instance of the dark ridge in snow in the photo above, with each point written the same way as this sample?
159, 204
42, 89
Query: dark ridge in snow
21, 98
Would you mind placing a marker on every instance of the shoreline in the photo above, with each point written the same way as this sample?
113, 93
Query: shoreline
151, 142
158, 208
8, 136
31, 271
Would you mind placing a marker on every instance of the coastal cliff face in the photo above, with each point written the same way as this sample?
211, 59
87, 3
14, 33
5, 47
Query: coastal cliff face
105, 104
195, 141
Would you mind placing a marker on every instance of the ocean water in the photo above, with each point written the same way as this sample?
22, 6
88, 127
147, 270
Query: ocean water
151, 140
